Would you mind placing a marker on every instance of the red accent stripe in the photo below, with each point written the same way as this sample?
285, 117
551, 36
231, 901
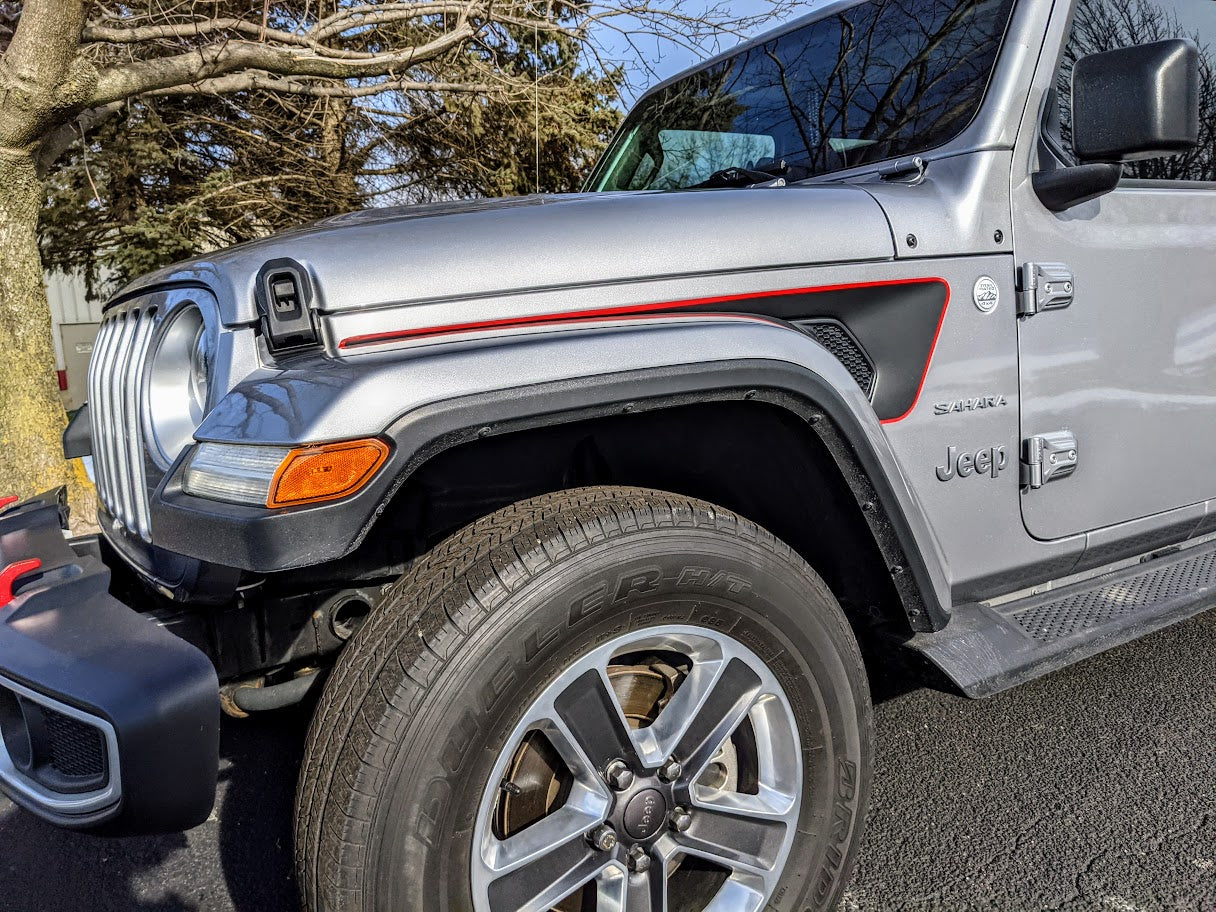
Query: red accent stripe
8, 501
632, 310
10, 574
924, 375
662, 309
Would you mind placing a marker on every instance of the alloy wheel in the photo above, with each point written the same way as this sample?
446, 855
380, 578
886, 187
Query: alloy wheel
660, 772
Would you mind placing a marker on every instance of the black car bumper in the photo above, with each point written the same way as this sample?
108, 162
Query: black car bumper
107, 721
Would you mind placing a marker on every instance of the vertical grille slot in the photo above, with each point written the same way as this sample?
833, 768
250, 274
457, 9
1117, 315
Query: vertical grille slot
115, 394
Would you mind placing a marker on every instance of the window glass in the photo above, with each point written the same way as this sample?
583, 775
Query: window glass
878, 80
1106, 25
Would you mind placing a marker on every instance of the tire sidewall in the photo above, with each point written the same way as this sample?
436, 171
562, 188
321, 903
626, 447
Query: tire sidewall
421, 833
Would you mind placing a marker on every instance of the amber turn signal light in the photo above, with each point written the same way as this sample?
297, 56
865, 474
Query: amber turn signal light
318, 473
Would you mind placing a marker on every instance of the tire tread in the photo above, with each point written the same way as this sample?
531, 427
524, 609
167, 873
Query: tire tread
424, 617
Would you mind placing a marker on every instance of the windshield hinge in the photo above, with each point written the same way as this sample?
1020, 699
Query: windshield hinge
1043, 286
905, 171
1047, 457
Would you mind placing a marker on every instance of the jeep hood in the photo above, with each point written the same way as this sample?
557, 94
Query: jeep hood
450, 251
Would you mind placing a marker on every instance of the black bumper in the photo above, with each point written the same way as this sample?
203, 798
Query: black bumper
109, 722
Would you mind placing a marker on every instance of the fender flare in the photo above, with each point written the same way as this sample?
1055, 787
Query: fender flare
324, 399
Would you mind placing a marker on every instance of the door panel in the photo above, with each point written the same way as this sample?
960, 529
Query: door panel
1130, 366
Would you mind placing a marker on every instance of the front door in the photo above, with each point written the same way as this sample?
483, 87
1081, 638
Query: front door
1129, 367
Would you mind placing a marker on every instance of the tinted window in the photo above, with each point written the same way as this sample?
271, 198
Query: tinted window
1105, 25
882, 79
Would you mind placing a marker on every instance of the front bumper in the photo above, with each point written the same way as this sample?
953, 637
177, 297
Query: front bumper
107, 721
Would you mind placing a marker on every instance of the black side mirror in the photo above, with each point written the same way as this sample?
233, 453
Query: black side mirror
1129, 104
1137, 102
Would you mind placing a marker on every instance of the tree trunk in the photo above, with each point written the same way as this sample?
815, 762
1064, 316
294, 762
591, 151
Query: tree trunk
31, 415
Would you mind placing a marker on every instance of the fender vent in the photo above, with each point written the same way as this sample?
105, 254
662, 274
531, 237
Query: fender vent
840, 342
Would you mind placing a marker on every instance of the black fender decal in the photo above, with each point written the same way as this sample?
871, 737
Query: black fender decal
897, 323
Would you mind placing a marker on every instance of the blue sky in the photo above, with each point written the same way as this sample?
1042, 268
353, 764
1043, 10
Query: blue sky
651, 59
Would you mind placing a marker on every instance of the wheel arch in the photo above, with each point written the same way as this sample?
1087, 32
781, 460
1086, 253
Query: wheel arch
522, 442
440, 397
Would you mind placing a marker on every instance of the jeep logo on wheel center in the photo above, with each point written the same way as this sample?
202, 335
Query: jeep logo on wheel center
989, 461
644, 814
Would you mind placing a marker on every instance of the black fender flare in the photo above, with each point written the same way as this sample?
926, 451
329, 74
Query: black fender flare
264, 541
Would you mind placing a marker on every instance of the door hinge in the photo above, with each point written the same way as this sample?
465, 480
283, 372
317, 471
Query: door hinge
1047, 457
1043, 286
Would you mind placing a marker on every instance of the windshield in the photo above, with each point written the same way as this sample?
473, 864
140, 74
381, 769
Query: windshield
879, 80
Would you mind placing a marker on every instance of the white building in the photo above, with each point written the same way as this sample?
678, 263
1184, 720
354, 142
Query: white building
74, 318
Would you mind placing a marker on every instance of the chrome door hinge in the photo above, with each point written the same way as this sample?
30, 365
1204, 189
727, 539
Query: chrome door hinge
1043, 286
1048, 457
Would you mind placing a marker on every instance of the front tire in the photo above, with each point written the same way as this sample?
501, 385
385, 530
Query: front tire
605, 698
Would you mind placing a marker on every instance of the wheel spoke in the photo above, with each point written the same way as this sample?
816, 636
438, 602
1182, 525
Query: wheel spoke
569, 823
658, 741
589, 711
739, 894
548, 878
738, 841
611, 885
720, 713
647, 892
768, 803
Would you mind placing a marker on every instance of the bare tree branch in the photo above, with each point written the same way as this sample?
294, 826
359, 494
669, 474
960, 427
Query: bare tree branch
62, 137
215, 60
247, 82
198, 28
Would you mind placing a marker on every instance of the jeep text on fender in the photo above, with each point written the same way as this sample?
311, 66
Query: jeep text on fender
572, 543
988, 461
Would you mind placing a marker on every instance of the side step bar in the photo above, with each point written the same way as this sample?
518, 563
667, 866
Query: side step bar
985, 650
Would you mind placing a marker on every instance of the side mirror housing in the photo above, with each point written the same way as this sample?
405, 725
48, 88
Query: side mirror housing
1137, 102
1128, 104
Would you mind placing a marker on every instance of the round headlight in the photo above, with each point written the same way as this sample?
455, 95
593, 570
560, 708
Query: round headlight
178, 382
200, 370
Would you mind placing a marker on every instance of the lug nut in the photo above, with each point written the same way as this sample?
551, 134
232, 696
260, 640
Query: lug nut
618, 775
671, 770
603, 838
639, 861
681, 819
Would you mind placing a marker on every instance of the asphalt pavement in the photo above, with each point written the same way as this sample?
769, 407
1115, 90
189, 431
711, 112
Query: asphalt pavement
1092, 789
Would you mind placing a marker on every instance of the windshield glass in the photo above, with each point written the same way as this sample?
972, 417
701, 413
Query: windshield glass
879, 80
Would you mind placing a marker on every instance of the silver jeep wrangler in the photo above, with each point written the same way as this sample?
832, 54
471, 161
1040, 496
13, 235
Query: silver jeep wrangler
891, 329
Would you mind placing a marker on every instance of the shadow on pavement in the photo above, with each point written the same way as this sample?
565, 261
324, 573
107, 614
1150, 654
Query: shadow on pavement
238, 861
259, 765
48, 869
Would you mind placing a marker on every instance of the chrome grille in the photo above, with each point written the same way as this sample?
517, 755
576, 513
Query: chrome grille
115, 393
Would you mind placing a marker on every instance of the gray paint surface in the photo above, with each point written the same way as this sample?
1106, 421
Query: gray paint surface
1130, 366
458, 252
1131, 376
